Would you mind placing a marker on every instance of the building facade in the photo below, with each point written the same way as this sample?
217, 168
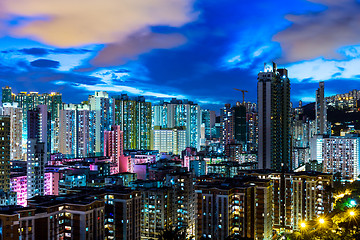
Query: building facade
134, 117
180, 113
169, 140
15, 113
321, 110
274, 119
233, 207
5, 146
114, 148
103, 107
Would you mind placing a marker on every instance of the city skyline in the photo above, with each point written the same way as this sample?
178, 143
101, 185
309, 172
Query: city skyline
179, 119
201, 51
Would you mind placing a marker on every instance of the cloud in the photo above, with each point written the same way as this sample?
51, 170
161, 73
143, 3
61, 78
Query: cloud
34, 51
22, 76
321, 69
45, 63
321, 34
69, 23
39, 52
115, 54
117, 89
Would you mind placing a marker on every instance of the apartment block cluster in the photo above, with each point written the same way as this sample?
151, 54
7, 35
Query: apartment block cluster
122, 167
210, 206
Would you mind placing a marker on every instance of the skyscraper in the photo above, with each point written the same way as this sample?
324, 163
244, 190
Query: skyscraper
4, 153
321, 110
67, 144
227, 123
240, 128
180, 113
169, 140
114, 148
134, 117
338, 154
7, 95
77, 130
208, 121
15, 113
39, 127
29, 101
103, 107
252, 126
274, 150
36, 159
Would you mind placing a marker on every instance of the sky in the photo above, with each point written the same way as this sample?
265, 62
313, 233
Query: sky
188, 49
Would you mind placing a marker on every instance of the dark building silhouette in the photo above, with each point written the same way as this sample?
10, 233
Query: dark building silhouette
274, 119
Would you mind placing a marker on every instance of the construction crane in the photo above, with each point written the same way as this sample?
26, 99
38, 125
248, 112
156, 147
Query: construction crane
243, 92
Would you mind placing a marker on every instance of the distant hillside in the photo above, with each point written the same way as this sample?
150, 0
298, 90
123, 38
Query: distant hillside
335, 115
309, 111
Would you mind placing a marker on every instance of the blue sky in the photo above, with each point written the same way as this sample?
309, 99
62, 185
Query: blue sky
194, 49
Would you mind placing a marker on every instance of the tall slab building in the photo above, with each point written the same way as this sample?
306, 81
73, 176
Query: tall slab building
274, 151
134, 117
103, 107
114, 148
30, 101
77, 130
5, 153
321, 110
180, 113
15, 113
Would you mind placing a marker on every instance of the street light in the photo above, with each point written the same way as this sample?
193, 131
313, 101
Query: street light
353, 203
303, 225
352, 213
321, 220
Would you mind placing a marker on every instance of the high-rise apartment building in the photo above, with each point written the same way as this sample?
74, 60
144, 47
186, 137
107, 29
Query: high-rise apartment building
240, 126
156, 208
134, 117
114, 148
38, 149
122, 214
252, 127
297, 197
169, 140
19, 186
30, 101
228, 207
36, 160
274, 119
15, 113
208, 121
104, 117
321, 110
77, 130
53, 218
183, 200
67, 144
39, 127
227, 123
7, 95
337, 155
5, 153
311, 196
180, 113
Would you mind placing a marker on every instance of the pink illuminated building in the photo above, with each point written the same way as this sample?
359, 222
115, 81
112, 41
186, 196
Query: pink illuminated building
114, 148
51, 183
19, 185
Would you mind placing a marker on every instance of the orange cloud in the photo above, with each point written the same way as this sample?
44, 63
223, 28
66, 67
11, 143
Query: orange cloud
70, 23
